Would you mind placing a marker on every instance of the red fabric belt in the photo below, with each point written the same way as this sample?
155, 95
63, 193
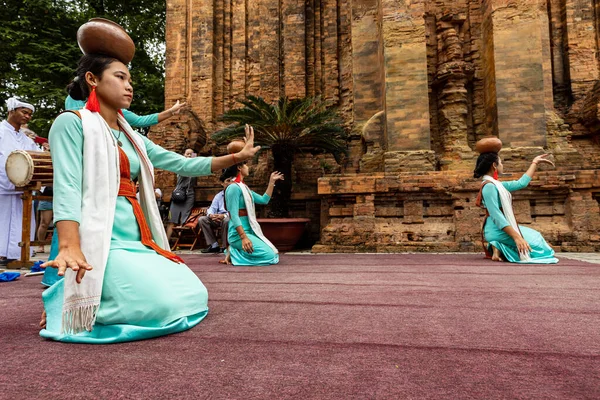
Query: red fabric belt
127, 190
242, 212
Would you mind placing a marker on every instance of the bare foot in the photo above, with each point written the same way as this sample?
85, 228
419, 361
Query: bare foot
43, 321
496, 254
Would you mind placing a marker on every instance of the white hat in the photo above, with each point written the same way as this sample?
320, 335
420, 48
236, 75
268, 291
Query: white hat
13, 103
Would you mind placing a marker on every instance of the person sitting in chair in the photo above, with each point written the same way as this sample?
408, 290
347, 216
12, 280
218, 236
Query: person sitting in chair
217, 216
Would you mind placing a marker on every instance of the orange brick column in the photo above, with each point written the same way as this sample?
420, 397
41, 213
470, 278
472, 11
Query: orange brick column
406, 97
368, 71
407, 90
581, 46
518, 70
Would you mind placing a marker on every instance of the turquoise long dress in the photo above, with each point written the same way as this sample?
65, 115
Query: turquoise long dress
262, 254
541, 252
51, 274
132, 119
144, 295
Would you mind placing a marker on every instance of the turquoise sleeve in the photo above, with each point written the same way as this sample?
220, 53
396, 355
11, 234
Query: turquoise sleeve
66, 142
170, 161
233, 194
258, 199
140, 121
512, 186
491, 200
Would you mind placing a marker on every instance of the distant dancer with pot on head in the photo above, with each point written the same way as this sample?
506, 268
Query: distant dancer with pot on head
506, 239
247, 244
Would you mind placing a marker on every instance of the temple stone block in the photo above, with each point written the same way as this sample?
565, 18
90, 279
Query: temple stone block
368, 70
406, 96
519, 35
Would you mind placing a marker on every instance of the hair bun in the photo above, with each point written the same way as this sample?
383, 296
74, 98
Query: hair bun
102, 36
488, 145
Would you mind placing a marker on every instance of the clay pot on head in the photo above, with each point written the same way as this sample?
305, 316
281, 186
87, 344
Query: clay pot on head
235, 146
488, 145
102, 36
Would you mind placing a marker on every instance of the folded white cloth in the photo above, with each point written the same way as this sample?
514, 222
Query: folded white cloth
13, 103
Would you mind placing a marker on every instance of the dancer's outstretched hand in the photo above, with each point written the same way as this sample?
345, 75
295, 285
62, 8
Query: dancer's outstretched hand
177, 108
249, 149
543, 159
70, 258
276, 176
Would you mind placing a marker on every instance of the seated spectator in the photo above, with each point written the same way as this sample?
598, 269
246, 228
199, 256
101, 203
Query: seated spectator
216, 216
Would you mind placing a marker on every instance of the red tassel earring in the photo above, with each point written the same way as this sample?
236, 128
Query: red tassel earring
496, 174
92, 104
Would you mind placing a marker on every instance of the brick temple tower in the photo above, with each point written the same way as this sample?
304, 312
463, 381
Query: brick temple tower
417, 83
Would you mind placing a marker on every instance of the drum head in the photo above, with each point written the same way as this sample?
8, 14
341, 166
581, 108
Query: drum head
19, 168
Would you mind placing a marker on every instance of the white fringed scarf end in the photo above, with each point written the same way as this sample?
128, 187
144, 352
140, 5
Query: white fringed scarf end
79, 319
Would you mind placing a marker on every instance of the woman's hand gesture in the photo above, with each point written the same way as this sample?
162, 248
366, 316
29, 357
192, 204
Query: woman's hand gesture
249, 149
176, 108
522, 245
70, 258
276, 176
543, 159
247, 245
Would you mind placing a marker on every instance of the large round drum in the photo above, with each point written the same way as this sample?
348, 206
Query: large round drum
26, 167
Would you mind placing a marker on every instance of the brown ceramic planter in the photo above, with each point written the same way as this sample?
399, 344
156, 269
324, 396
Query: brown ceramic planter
284, 233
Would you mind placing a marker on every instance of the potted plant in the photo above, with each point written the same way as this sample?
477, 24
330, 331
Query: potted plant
286, 127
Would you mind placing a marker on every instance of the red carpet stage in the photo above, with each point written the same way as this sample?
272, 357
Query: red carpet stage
419, 326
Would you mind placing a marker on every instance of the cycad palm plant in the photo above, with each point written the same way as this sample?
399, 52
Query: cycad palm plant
287, 127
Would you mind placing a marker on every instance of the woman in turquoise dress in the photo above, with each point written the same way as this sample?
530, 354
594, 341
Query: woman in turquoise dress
247, 244
146, 291
137, 121
507, 240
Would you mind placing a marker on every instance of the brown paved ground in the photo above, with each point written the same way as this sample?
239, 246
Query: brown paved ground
337, 326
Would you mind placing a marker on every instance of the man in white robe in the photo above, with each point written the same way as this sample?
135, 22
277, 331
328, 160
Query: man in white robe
13, 138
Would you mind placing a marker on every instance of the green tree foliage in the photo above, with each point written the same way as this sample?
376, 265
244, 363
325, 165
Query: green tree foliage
39, 52
286, 127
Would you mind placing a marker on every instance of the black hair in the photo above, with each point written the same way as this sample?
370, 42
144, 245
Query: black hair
484, 163
228, 173
96, 64
232, 172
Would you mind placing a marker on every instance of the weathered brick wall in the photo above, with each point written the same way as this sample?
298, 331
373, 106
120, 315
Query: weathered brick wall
417, 83
436, 211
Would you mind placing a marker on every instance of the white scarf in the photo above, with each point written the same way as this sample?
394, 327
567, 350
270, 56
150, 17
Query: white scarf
252, 216
507, 210
100, 187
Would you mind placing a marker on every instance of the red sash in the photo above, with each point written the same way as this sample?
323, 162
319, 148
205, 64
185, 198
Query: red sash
127, 190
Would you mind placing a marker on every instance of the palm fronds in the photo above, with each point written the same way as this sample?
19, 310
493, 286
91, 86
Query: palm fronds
305, 123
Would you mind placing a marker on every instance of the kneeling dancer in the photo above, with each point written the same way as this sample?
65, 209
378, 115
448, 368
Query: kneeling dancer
247, 244
506, 239
121, 282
